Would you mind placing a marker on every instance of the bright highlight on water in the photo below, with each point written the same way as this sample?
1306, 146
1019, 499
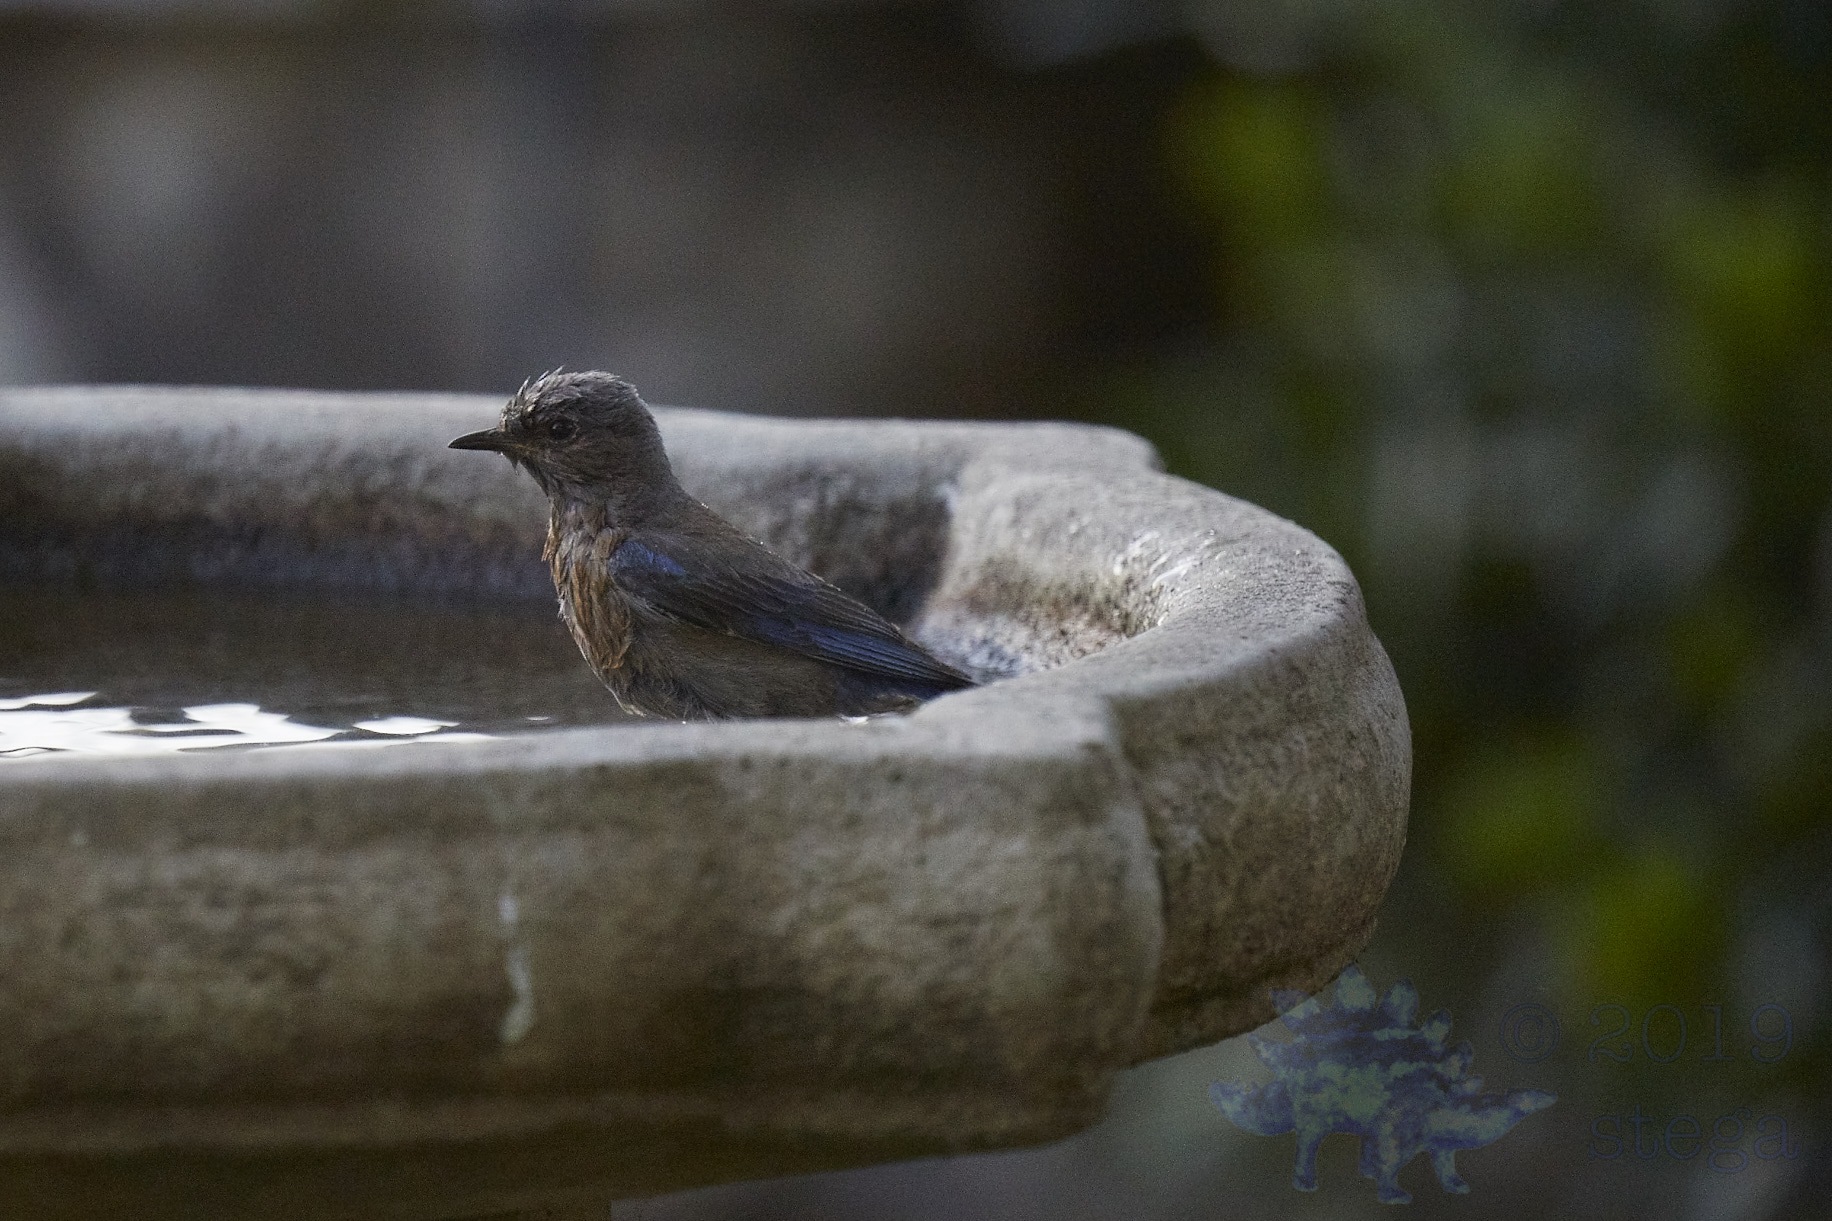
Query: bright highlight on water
63, 723
167, 671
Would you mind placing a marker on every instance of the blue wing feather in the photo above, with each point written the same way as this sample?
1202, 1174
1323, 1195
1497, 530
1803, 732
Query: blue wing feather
635, 555
733, 585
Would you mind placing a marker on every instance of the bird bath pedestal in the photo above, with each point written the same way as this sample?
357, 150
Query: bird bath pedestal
554, 967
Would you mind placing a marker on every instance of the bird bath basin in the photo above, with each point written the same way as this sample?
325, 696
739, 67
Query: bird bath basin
441, 957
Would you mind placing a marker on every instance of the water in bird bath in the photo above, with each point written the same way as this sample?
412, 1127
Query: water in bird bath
150, 672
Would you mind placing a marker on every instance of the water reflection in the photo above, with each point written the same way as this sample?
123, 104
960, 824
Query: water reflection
57, 723
158, 672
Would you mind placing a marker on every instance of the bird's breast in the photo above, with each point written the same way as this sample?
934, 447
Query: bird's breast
597, 613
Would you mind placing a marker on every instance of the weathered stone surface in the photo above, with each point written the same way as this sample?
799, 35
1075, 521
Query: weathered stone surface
599, 962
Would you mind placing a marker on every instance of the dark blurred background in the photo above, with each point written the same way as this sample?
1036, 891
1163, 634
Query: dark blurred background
1526, 306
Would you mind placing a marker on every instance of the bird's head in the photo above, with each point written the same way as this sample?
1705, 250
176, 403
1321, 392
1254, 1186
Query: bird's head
583, 436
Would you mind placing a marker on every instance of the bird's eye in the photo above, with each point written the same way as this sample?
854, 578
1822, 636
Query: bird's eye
562, 430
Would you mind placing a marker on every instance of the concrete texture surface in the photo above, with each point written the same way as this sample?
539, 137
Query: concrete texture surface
546, 971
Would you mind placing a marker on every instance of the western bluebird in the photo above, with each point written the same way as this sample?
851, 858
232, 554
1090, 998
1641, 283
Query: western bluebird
679, 613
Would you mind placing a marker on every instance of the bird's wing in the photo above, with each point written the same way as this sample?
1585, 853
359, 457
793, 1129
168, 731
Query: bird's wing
738, 587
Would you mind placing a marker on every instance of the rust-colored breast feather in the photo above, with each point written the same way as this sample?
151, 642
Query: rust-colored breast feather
593, 609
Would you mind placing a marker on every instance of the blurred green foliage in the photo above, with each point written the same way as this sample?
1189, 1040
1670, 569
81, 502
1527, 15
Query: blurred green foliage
1527, 308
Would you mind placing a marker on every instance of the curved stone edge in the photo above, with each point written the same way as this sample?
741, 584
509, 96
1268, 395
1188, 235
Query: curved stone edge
1262, 720
843, 907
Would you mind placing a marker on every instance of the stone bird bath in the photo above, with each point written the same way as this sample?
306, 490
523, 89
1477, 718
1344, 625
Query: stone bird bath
551, 968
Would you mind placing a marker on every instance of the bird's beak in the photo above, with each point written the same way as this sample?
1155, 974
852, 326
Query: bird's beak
490, 438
